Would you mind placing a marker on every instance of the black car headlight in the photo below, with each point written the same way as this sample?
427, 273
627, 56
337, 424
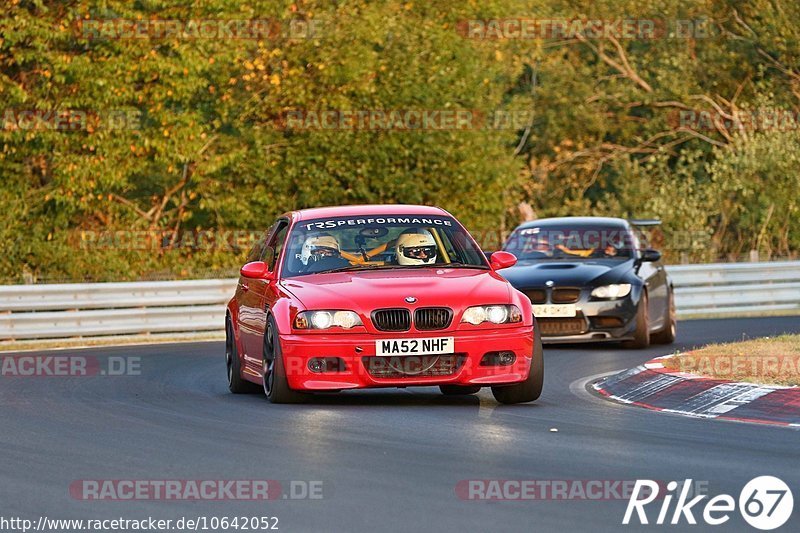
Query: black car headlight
613, 291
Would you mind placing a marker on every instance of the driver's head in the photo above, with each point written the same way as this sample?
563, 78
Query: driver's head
612, 246
540, 244
417, 248
319, 247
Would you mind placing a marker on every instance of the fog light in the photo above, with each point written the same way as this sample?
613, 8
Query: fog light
316, 365
506, 358
319, 365
607, 322
498, 359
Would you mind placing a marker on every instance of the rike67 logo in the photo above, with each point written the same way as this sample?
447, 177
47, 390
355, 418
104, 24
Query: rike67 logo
765, 503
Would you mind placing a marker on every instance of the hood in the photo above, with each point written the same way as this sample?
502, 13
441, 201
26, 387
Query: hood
527, 274
367, 290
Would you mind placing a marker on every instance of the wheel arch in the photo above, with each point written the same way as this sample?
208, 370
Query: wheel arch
282, 312
231, 316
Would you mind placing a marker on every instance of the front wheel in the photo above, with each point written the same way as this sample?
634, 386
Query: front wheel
273, 370
236, 384
641, 335
530, 389
670, 331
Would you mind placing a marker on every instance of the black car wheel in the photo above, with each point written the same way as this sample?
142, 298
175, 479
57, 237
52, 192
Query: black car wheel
458, 390
236, 383
641, 336
276, 386
670, 331
530, 389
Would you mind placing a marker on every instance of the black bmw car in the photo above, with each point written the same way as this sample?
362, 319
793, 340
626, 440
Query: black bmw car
593, 279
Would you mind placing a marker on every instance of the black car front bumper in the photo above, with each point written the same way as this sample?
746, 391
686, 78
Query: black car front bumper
595, 320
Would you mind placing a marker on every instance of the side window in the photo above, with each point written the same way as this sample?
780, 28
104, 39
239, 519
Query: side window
461, 249
258, 247
272, 251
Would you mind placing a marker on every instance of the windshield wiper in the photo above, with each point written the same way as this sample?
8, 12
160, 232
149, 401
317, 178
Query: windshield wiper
353, 268
458, 264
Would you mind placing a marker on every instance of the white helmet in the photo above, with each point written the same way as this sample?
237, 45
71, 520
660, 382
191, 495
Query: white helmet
415, 249
319, 245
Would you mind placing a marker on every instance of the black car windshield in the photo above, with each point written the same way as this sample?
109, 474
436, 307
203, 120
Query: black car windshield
373, 242
574, 243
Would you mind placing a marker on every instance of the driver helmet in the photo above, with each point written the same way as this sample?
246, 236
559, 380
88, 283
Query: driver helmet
416, 248
319, 246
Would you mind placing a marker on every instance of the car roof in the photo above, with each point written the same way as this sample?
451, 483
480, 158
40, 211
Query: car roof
364, 210
575, 221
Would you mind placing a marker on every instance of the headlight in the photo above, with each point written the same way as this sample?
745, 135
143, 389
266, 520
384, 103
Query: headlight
619, 290
327, 320
496, 314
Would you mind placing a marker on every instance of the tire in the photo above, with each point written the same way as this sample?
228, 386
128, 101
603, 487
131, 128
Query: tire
641, 335
236, 383
276, 386
670, 331
458, 390
530, 389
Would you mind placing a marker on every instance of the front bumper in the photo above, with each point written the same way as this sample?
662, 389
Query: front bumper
590, 328
356, 349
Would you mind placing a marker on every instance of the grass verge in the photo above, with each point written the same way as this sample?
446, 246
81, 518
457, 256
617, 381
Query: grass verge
769, 361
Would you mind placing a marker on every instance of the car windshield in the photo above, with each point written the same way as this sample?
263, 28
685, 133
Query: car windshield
574, 243
379, 242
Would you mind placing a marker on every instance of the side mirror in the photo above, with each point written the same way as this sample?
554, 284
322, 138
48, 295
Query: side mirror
649, 255
256, 270
501, 260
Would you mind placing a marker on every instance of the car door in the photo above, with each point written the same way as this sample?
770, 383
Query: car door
655, 279
661, 294
260, 295
247, 321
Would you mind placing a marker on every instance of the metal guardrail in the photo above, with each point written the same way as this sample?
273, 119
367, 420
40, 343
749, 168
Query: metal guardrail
736, 288
95, 309
89, 310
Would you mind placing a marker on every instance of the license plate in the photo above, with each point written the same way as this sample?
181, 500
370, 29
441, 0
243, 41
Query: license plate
432, 346
555, 311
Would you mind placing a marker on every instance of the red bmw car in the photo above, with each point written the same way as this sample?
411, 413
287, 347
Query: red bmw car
355, 297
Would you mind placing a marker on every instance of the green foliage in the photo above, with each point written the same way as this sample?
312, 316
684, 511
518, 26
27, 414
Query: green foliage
756, 183
205, 144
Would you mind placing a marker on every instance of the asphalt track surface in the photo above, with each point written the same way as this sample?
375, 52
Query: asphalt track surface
389, 459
